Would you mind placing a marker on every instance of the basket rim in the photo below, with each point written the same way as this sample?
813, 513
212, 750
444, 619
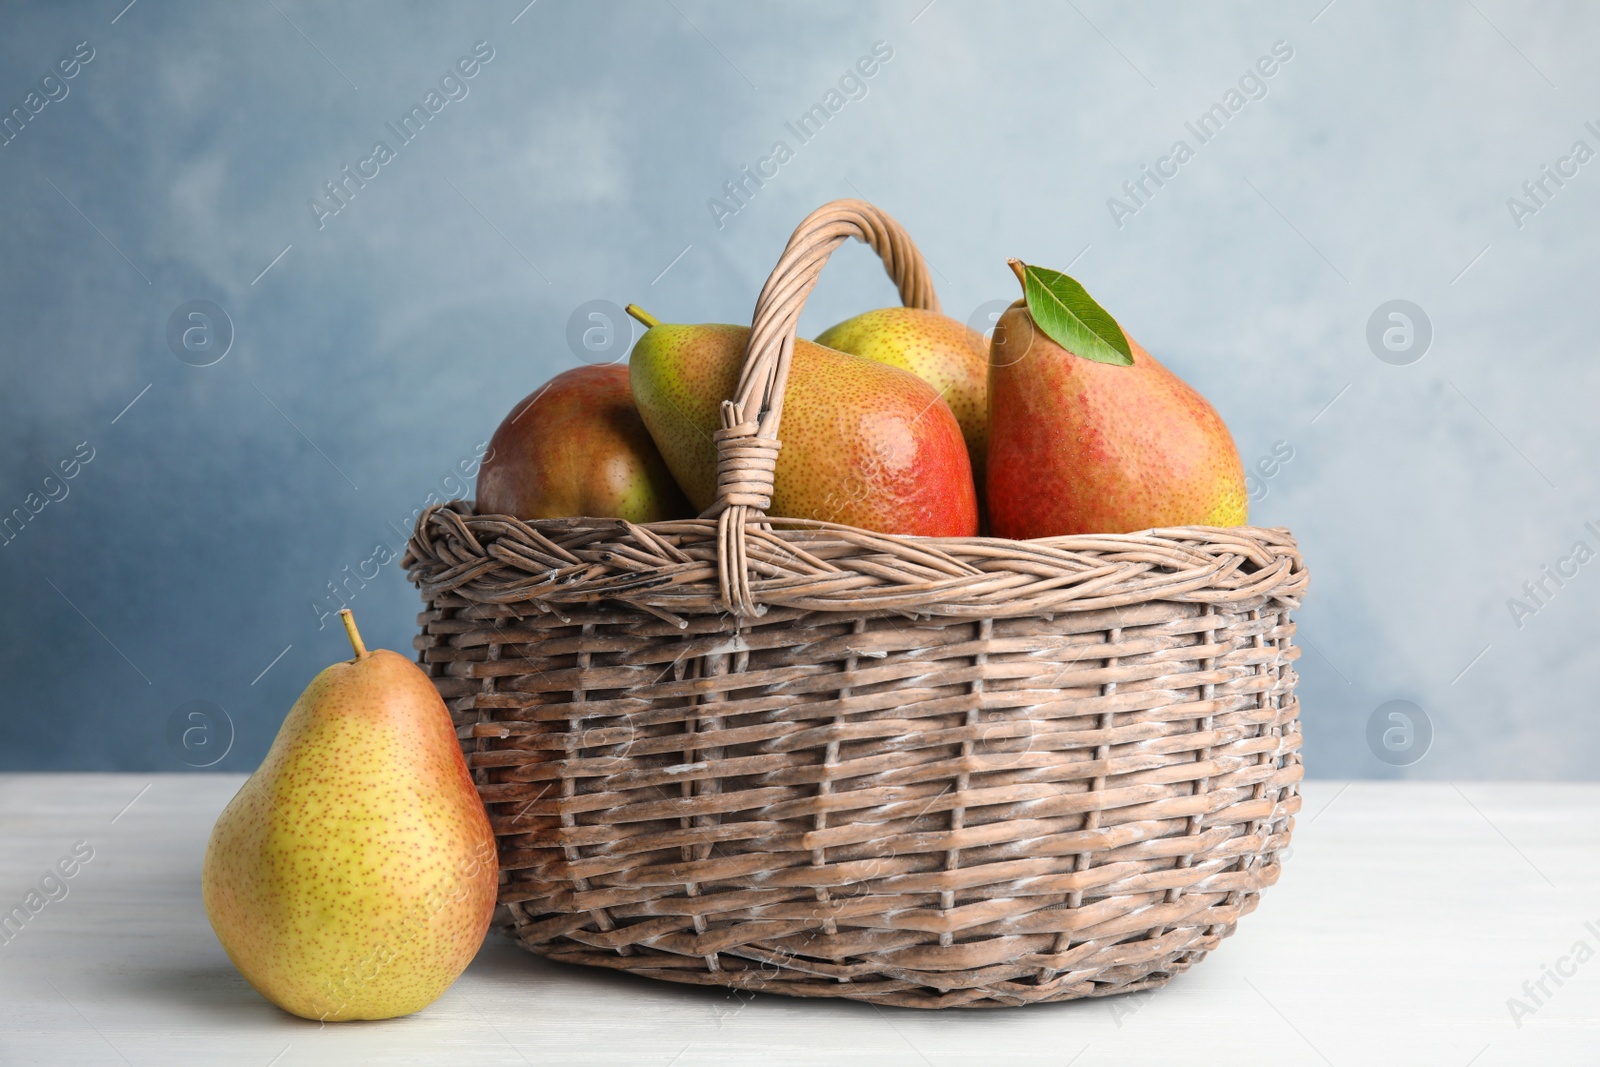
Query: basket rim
670, 568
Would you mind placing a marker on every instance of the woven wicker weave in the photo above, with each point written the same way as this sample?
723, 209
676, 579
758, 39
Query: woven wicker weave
809, 759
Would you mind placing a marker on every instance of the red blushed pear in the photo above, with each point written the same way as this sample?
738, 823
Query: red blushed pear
948, 355
1089, 433
864, 443
577, 447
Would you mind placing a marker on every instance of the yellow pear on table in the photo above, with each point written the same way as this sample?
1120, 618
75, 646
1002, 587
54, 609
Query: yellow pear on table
354, 874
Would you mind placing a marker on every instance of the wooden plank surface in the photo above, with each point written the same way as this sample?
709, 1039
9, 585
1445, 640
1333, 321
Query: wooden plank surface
1408, 916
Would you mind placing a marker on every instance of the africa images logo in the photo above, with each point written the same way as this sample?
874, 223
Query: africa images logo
1252, 85
452, 87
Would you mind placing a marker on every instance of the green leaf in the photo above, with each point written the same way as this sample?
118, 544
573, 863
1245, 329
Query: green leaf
1068, 315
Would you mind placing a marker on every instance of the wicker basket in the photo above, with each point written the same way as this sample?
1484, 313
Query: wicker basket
805, 758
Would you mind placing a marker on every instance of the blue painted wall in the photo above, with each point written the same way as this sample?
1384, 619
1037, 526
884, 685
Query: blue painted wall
1356, 154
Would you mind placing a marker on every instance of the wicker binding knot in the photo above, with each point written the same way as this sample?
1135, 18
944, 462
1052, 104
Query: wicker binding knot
744, 465
799, 757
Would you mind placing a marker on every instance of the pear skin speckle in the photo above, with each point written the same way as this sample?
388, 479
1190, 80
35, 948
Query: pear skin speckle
354, 875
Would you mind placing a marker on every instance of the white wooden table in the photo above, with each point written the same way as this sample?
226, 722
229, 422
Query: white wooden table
1407, 916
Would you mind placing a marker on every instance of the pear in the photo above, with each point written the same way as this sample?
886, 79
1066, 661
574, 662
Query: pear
948, 355
864, 444
1081, 446
576, 446
354, 875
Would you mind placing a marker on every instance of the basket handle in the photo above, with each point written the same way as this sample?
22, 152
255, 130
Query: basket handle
747, 444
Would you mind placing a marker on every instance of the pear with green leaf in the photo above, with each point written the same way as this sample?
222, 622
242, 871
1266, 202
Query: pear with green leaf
1089, 433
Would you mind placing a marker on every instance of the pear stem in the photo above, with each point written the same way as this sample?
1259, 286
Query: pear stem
1017, 268
649, 320
349, 621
